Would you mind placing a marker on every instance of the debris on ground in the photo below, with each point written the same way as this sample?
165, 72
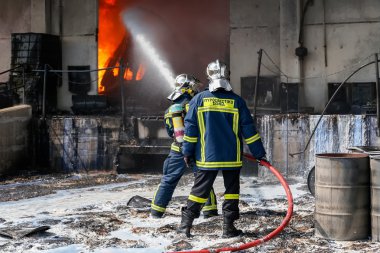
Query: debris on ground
90, 213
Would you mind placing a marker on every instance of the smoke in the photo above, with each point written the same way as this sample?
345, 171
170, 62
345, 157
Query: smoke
187, 35
167, 38
139, 24
162, 66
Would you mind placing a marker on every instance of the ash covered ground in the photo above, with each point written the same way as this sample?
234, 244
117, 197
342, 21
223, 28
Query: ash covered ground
89, 213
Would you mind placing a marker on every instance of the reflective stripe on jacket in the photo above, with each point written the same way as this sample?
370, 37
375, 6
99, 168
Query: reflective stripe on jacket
215, 126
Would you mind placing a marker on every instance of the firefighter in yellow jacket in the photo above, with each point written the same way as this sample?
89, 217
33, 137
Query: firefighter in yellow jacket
186, 87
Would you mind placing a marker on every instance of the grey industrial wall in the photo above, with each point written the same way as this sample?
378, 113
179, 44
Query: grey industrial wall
91, 143
352, 34
78, 30
14, 138
83, 143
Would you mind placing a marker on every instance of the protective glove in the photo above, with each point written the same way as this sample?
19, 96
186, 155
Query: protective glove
189, 161
262, 159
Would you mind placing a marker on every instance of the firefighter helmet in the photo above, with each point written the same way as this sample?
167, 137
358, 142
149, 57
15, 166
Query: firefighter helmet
218, 74
217, 70
185, 84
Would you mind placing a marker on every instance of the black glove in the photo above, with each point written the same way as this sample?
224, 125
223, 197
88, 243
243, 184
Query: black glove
262, 159
189, 161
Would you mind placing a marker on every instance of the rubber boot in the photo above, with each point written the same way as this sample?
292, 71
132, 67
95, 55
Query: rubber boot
229, 230
209, 214
156, 214
186, 222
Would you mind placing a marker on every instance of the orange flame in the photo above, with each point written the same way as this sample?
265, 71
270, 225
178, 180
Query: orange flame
128, 74
140, 72
111, 33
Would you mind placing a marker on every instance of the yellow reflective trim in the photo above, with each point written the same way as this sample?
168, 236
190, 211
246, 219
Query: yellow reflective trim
231, 196
235, 123
218, 102
190, 139
168, 122
157, 208
209, 208
202, 133
212, 197
218, 109
187, 106
175, 148
197, 199
252, 139
236, 129
219, 164
168, 115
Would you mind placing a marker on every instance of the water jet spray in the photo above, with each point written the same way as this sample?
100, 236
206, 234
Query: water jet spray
135, 21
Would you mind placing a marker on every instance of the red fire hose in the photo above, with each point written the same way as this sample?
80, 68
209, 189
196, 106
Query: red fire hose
272, 234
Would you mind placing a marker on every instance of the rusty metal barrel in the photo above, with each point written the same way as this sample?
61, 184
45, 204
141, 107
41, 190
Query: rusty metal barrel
342, 196
375, 198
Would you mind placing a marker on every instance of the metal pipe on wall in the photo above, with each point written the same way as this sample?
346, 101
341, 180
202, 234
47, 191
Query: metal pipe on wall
377, 94
324, 32
44, 92
122, 93
260, 52
329, 102
60, 19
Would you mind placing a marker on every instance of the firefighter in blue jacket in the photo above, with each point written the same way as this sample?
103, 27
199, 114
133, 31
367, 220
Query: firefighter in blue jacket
186, 87
217, 122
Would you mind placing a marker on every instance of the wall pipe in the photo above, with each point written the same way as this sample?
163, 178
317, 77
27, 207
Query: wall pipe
327, 105
122, 93
324, 32
275, 232
9, 70
377, 94
260, 52
44, 92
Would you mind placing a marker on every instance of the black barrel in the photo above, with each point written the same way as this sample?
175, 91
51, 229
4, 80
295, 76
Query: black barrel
375, 197
342, 196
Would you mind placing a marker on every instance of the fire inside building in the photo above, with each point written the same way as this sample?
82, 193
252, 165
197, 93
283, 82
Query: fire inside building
84, 88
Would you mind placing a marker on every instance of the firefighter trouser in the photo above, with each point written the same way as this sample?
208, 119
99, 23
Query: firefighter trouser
173, 169
204, 180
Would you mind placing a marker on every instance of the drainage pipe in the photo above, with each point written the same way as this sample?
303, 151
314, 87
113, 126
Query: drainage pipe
269, 236
377, 94
260, 52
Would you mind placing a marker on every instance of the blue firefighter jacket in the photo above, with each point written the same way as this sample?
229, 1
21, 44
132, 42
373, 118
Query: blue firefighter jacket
184, 101
215, 126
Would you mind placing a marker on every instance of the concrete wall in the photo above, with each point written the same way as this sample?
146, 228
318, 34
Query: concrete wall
352, 34
288, 134
79, 45
91, 143
14, 139
15, 17
83, 144
78, 30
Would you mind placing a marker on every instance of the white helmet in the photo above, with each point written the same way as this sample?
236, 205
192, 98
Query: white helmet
218, 74
185, 84
217, 70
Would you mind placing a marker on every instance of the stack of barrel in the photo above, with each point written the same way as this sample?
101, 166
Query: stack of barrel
347, 196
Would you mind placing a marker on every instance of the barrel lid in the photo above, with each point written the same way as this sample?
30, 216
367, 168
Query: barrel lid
371, 150
375, 157
341, 155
